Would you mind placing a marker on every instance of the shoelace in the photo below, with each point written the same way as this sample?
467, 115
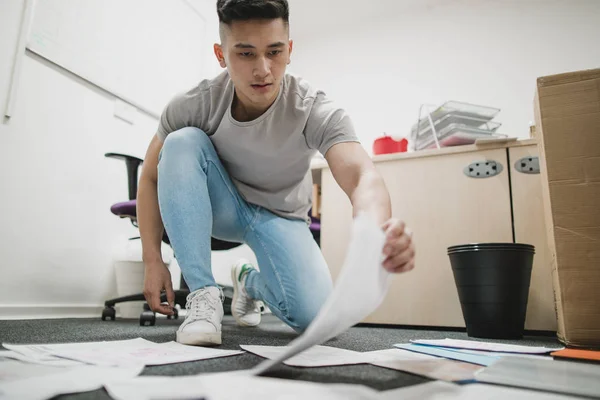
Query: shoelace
201, 303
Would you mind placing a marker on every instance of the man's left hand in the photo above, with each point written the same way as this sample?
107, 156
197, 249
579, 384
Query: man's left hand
399, 249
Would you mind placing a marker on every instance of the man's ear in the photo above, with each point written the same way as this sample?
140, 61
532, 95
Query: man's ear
291, 47
219, 54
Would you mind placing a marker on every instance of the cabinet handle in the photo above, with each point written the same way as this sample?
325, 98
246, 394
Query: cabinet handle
528, 165
483, 169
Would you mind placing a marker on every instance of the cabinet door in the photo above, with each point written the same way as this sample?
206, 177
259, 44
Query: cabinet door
443, 207
530, 228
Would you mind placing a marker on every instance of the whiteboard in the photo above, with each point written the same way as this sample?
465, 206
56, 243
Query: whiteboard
142, 51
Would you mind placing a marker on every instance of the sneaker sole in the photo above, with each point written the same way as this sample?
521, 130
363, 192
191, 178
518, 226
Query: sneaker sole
199, 339
236, 290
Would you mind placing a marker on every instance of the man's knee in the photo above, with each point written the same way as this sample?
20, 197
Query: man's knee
188, 140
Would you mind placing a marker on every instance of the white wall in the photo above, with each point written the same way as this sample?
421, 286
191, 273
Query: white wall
58, 236
382, 63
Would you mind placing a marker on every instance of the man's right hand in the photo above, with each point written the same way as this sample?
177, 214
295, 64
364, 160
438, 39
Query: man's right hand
156, 279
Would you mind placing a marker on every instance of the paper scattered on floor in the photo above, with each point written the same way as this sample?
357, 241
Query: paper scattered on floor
395, 355
70, 380
362, 275
131, 352
487, 346
423, 365
233, 386
13, 370
556, 376
440, 369
484, 360
448, 391
316, 356
400, 360
326, 356
36, 356
499, 355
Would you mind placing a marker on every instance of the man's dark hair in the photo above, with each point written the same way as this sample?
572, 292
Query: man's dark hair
244, 10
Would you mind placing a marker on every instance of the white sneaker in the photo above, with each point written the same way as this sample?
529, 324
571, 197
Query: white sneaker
202, 325
244, 309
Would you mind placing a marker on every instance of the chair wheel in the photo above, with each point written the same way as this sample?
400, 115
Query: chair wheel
175, 315
108, 312
147, 318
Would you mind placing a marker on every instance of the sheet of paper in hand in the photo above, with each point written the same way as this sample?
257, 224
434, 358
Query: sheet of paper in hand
362, 277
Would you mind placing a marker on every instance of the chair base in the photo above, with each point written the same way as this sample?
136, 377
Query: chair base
148, 317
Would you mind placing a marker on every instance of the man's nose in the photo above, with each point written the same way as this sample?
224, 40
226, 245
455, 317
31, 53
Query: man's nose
262, 68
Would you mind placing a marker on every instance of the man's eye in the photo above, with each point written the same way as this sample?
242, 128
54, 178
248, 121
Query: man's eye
246, 54
274, 52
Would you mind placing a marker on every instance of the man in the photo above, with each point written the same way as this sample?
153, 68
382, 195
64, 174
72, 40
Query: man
231, 159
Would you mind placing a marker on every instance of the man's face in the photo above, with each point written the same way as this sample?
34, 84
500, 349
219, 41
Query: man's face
256, 54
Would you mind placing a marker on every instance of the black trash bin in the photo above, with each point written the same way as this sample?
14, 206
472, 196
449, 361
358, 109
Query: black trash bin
493, 287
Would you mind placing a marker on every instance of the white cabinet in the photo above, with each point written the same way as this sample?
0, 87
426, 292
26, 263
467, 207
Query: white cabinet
443, 207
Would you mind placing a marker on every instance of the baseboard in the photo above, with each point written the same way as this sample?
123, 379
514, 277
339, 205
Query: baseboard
55, 311
50, 311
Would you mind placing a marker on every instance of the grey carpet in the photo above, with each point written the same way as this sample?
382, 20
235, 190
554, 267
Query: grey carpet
271, 332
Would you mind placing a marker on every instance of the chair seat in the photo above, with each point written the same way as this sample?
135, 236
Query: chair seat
125, 209
315, 223
128, 209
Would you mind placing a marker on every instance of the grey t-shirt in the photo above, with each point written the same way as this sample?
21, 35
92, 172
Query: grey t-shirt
268, 159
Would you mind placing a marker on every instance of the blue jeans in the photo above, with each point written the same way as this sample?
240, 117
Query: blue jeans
198, 200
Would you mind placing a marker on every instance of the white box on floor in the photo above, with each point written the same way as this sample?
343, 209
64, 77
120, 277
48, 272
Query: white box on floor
130, 280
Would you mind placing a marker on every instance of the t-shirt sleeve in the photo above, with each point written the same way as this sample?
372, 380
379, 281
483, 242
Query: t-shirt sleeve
172, 117
185, 109
328, 125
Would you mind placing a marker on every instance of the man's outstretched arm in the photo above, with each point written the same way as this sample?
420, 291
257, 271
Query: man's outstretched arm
354, 171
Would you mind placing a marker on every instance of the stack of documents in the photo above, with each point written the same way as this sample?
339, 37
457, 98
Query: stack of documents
451, 354
556, 376
521, 366
485, 346
480, 353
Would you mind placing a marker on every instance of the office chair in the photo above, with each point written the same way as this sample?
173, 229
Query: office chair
128, 209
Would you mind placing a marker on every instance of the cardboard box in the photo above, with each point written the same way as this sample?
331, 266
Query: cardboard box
567, 109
